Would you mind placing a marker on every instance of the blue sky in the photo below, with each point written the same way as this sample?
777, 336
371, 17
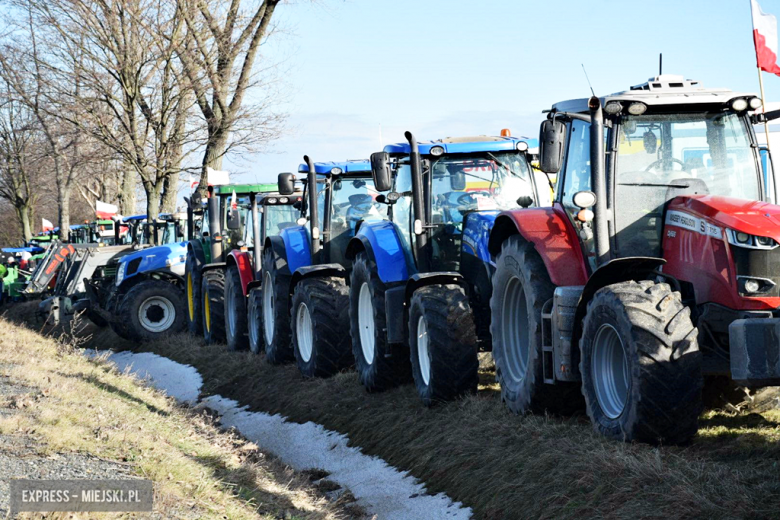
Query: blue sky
453, 67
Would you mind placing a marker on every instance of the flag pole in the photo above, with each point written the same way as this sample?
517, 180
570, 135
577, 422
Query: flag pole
763, 106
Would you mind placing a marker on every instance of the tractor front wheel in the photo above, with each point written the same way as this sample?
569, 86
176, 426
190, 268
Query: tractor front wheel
255, 320
640, 364
320, 313
212, 289
378, 367
521, 287
442, 343
192, 293
150, 310
235, 311
276, 310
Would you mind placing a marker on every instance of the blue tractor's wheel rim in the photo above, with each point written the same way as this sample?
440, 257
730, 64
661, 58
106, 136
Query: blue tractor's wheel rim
366, 323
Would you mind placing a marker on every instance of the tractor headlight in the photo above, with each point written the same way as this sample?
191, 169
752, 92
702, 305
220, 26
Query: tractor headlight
522, 146
283, 200
739, 104
436, 151
742, 239
755, 103
637, 109
613, 107
336, 170
752, 286
120, 273
272, 200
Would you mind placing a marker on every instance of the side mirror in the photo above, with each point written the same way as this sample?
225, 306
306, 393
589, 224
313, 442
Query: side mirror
552, 136
380, 169
286, 183
297, 204
458, 181
234, 219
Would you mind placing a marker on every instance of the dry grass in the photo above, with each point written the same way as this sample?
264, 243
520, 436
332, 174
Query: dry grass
199, 471
505, 466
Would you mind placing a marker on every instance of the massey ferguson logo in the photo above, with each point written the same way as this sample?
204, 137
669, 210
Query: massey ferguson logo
691, 223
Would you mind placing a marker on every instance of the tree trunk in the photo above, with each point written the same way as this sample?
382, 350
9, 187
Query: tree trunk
24, 217
126, 194
212, 158
63, 204
152, 203
170, 193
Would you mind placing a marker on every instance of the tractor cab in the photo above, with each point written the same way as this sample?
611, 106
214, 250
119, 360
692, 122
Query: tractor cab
434, 192
667, 137
345, 197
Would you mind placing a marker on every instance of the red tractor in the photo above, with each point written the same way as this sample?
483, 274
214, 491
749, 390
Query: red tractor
658, 263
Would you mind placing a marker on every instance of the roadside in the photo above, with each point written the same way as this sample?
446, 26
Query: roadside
63, 416
501, 465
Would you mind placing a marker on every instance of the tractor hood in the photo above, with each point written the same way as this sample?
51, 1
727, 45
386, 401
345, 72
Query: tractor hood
168, 257
752, 217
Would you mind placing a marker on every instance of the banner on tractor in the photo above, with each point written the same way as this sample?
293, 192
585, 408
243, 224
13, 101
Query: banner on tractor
46, 225
217, 177
103, 210
765, 38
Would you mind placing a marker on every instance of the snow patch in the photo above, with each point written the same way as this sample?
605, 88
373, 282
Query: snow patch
378, 487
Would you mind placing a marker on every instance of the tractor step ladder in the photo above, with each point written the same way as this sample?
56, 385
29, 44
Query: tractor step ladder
548, 353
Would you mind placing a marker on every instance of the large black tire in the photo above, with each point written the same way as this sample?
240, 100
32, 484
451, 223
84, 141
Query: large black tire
255, 320
521, 287
379, 366
235, 311
192, 283
661, 379
442, 343
212, 290
276, 304
151, 310
320, 316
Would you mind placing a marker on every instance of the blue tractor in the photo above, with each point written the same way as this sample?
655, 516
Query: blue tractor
304, 298
419, 290
141, 294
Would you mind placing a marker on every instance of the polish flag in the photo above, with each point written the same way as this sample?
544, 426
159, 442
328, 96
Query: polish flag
233, 201
765, 38
46, 225
103, 210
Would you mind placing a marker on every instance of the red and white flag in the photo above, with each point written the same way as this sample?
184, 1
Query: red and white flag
46, 225
234, 201
103, 210
765, 38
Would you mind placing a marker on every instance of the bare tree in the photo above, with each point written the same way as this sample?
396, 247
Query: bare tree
19, 140
218, 52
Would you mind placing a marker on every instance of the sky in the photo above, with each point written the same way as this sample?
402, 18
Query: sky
358, 73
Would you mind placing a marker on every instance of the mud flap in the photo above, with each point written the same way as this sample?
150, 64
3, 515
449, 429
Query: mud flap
754, 346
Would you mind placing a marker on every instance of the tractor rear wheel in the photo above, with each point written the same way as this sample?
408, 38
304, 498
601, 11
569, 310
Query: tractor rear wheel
378, 366
235, 311
192, 293
640, 364
443, 343
320, 314
212, 291
255, 320
276, 310
521, 287
150, 310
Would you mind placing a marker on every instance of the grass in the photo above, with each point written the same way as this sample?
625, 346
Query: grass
199, 471
505, 466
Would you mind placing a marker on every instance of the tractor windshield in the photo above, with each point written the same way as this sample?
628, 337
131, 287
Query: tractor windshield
278, 217
708, 152
487, 181
661, 156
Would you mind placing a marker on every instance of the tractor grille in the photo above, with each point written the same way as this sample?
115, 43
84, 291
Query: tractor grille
760, 264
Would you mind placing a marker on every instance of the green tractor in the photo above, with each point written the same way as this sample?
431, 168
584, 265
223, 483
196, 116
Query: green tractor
219, 231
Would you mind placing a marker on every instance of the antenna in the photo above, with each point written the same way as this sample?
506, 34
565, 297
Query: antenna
660, 63
588, 79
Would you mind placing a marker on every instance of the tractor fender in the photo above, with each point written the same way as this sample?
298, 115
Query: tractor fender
297, 246
213, 266
195, 248
277, 246
243, 261
381, 241
168, 257
553, 236
615, 271
312, 271
436, 278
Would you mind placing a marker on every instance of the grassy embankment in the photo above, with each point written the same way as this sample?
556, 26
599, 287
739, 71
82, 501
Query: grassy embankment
84, 406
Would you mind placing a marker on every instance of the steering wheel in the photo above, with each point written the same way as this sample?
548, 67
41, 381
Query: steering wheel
659, 161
